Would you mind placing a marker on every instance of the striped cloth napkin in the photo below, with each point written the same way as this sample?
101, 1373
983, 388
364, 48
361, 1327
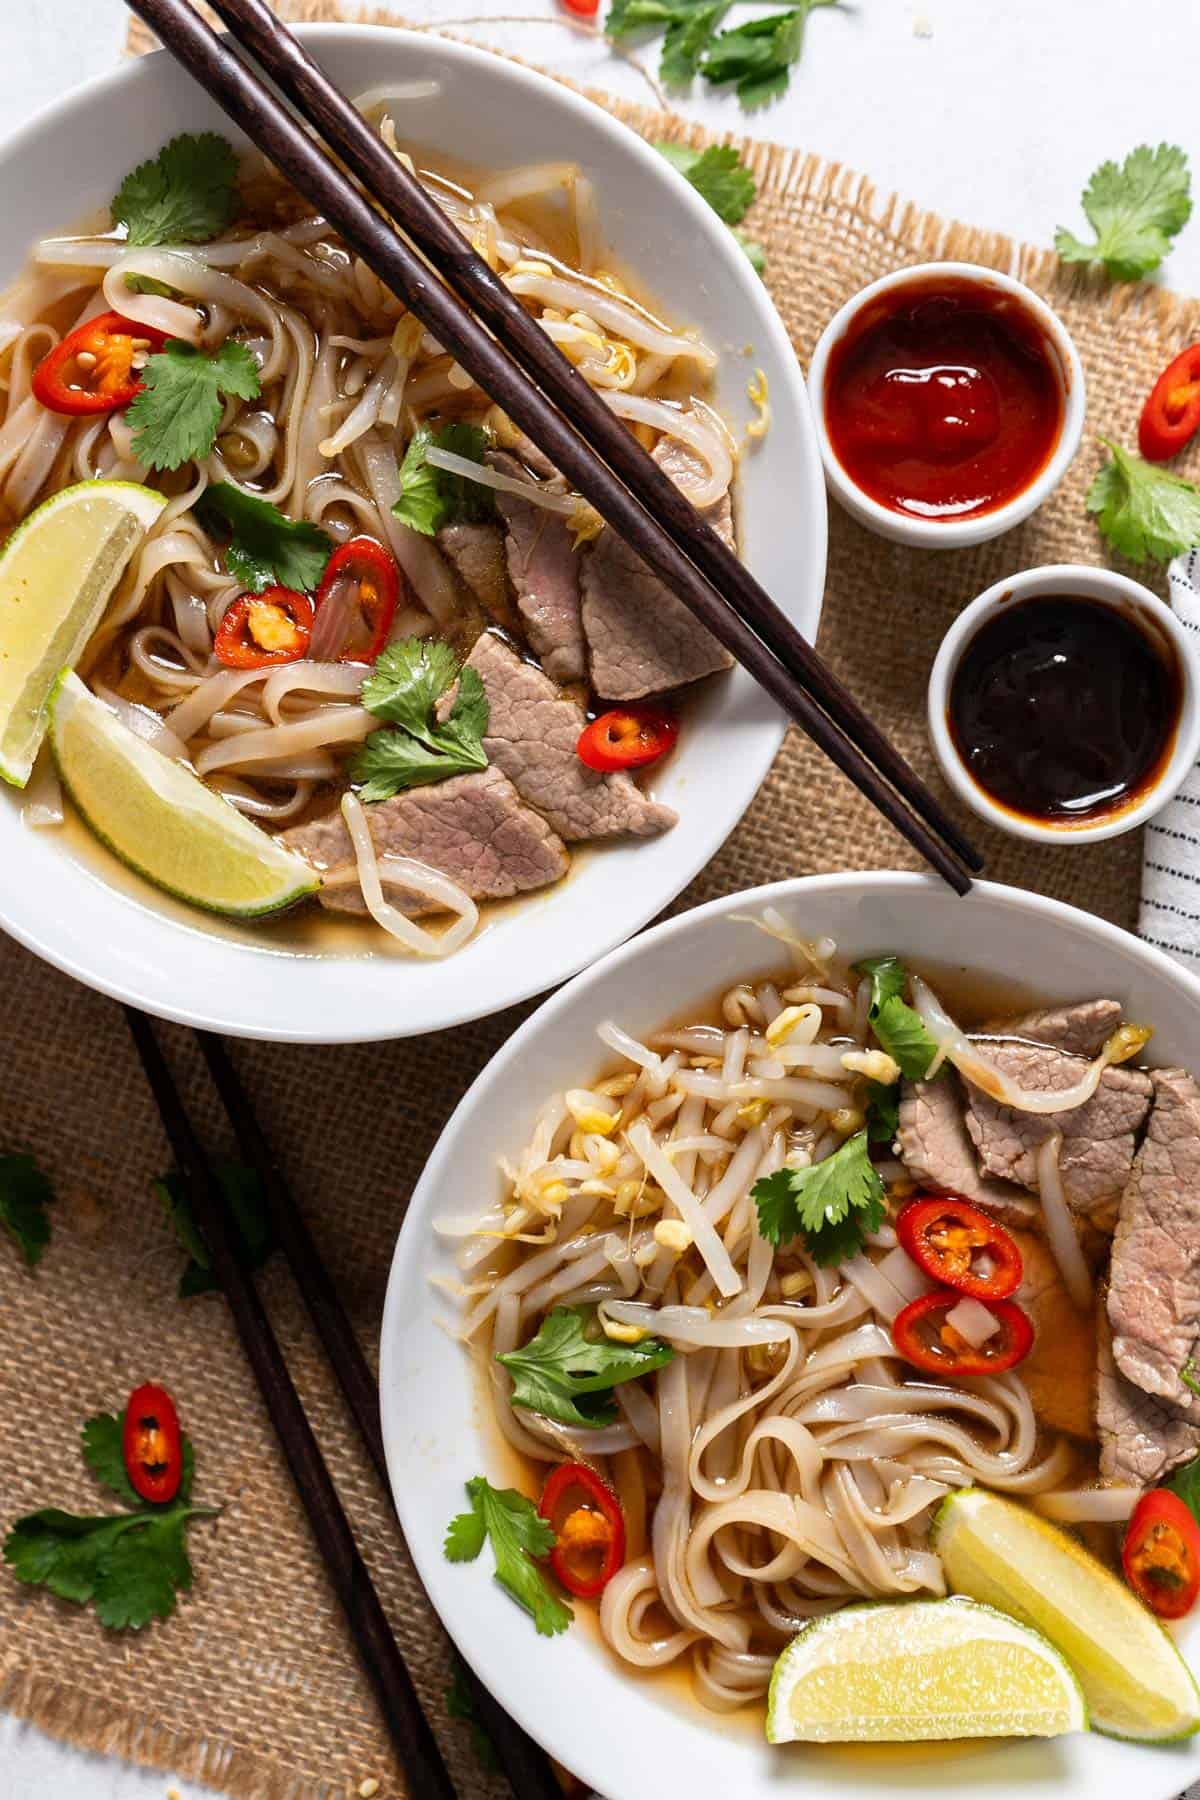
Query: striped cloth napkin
1170, 911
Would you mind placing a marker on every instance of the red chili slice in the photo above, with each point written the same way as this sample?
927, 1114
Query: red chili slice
583, 9
1171, 414
628, 738
92, 370
923, 1336
960, 1246
152, 1444
1161, 1554
356, 603
589, 1525
262, 630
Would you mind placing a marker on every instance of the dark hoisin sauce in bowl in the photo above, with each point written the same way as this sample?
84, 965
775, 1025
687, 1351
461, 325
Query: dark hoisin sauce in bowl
1065, 710
942, 398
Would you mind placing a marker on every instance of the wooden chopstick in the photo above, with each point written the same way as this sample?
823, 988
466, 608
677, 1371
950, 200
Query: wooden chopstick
312, 173
409, 1728
524, 1762
306, 86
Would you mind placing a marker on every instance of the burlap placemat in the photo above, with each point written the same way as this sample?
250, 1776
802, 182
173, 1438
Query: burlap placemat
253, 1685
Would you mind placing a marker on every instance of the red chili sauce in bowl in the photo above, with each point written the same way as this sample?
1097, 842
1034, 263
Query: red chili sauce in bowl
943, 399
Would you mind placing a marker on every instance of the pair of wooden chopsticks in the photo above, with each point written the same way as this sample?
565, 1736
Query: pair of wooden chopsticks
465, 305
525, 1765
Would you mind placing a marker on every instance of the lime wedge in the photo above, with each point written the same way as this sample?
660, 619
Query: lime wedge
161, 820
1135, 1681
915, 1669
56, 574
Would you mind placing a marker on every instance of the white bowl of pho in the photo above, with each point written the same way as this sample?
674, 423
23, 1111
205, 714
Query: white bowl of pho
825, 1237
338, 715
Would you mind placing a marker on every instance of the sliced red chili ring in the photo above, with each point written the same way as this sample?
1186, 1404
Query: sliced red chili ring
627, 738
262, 630
1171, 414
356, 603
583, 9
1161, 1554
92, 370
923, 1335
960, 1246
589, 1526
152, 1444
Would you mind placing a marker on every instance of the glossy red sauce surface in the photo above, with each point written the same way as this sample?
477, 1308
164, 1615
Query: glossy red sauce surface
942, 400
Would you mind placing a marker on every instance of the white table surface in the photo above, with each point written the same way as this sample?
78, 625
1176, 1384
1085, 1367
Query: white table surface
993, 111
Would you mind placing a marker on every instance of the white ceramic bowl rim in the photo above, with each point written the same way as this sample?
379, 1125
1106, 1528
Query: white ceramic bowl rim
952, 533
434, 1439
1108, 587
142, 948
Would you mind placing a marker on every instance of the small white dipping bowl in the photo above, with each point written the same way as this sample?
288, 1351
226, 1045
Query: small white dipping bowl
946, 533
1139, 605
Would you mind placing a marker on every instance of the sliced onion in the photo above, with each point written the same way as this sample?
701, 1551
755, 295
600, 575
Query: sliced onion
144, 722
43, 797
1088, 1506
974, 1321
1060, 1226
971, 1063
417, 876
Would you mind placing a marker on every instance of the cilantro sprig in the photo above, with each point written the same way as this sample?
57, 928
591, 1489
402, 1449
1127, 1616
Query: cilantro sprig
186, 194
431, 497
403, 688
25, 1193
265, 548
719, 176
253, 1238
832, 1204
1135, 208
130, 1565
899, 1029
517, 1533
176, 415
1143, 509
561, 1371
757, 57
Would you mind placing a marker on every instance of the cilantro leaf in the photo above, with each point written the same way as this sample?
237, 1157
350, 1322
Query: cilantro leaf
432, 497
140, 1572
186, 194
755, 252
60, 1550
718, 175
1135, 208
25, 1192
628, 16
898, 1028
758, 55
1190, 1377
105, 1457
686, 40
1143, 509
1186, 1483
832, 1204
560, 1367
883, 1113
407, 681
459, 1705
254, 1239
517, 1533
178, 410
266, 549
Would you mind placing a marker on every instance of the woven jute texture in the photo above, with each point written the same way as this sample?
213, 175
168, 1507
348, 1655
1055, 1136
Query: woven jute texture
253, 1685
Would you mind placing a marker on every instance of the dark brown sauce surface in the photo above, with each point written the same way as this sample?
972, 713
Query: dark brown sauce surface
1064, 709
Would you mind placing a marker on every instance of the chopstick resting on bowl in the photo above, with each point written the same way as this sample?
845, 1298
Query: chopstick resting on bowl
524, 1763
571, 426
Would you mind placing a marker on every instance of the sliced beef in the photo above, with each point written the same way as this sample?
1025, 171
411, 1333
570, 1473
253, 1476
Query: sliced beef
1098, 1138
531, 735
1083, 1030
641, 639
473, 828
477, 553
1141, 1439
1154, 1292
543, 566
936, 1150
